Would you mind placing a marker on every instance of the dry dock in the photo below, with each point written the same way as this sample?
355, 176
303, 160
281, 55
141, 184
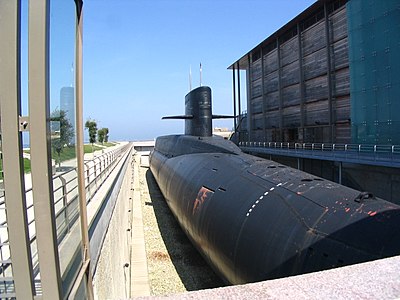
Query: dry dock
173, 264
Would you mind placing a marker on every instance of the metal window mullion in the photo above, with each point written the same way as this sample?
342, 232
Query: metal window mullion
249, 90
238, 95
264, 109
13, 166
80, 161
278, 46
39, 112
234, 98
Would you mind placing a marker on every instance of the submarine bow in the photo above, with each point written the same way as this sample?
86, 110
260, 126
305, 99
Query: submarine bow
253, 219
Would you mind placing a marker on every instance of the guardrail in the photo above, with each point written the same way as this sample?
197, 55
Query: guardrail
66, 204
356, 151
96, 171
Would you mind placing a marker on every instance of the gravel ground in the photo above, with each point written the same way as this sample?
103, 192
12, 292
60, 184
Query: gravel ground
174, 265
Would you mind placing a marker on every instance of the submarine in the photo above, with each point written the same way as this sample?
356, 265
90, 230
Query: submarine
253, 219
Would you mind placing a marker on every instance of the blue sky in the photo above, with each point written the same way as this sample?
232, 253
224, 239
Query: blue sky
137, 56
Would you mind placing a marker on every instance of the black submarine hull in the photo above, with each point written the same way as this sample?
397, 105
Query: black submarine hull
254, 219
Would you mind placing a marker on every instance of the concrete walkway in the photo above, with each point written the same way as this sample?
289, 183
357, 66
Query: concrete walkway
139, 273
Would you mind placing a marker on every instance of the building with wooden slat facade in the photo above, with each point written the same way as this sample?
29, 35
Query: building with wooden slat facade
330, 75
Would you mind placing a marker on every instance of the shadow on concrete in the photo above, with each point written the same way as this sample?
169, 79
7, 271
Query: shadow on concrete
190, 265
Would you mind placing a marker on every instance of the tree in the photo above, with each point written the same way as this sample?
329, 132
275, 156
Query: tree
106, 134
102, 135
62, 132
91, 126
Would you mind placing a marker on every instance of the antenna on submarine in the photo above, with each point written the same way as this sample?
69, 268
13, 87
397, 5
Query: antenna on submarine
190, 78
200, 73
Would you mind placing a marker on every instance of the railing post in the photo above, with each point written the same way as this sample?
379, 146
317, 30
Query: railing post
87, 173
95, 173
65, 202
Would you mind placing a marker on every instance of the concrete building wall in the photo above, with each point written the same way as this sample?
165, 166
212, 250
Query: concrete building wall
112, 276
383, 182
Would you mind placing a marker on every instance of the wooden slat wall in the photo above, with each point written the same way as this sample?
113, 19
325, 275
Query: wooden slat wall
342, 109
271, 82
257, 105
316, 89
256, 88
290, 74
316, 113
271, 61
313, 38
281, 101
289, 51
342, 83
341, 76
338, 24
272, 100
258, 121
291, 95
291, 116
256, 70
272, 119
315, 64
339, 54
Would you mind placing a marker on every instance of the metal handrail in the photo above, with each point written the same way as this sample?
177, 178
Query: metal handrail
362, 151
65, 193
362, 148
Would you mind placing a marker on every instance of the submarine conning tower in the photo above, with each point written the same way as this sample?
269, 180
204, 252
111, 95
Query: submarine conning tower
198, 116
198, 106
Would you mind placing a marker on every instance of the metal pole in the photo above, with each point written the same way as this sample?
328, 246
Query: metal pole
249, 110
280, 90
238, 88
264, 110
234, 98
85, 270
239, 97
39, 110
13, 166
